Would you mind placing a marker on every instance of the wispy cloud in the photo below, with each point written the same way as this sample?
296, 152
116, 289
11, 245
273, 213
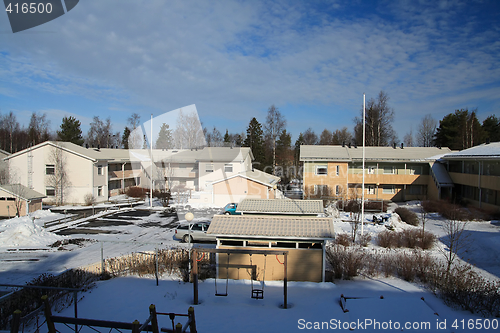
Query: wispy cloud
233, 59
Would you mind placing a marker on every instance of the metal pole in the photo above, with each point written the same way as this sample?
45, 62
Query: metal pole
151, 151
195, 277
363, 182
285, 280
102, 258
75, 299
156, 268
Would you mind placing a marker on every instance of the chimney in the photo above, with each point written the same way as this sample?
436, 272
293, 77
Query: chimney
343, 143
394, 145
87, 146
349, 145
402, 145
487, 141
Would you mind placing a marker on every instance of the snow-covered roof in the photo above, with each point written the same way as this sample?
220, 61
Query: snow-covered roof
483, 151
22, 191
440, 175
281, 206
271, 227
257, 176
353, 154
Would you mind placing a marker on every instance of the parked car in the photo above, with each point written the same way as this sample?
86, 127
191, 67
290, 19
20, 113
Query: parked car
198, 232
230, 209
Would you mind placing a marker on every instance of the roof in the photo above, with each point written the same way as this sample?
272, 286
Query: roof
483, 151
22, 191
224, 154
271, 227
440, 175
213, 154
353, 154
257, 176
281, 206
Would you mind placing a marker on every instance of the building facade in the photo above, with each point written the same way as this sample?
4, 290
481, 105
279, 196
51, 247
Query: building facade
391, 173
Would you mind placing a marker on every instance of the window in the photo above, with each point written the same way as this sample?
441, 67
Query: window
416, 170
209, 168
388, 189
50, 191
321, 190
416, 189
388, 170
321, 170
50, 169
337, 190
370, 189
337, 170
99, 170
99, 191
371, 169
228, 168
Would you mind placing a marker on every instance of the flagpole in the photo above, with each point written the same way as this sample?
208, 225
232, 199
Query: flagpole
363, 183
151, 152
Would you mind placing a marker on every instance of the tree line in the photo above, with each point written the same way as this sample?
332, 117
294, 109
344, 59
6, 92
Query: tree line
270, 141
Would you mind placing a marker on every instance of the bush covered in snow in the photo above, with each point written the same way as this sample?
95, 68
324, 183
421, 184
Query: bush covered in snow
407, 216
409, 238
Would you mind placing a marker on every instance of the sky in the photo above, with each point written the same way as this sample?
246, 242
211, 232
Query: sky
234, 59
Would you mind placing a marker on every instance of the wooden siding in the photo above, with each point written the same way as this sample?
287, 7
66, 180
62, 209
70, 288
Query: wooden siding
303, 265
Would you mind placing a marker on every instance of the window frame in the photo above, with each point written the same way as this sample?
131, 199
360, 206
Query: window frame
228, 166
321, 167
51, 167
209, 167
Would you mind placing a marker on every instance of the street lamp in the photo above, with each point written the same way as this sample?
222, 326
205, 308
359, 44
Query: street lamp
189, 217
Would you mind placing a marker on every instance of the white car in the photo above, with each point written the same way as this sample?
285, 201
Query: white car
198, 232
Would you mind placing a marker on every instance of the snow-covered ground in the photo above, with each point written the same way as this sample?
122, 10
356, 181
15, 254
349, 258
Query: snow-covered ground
25, 254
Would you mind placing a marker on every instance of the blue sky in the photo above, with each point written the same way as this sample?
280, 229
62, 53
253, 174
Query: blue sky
233, 59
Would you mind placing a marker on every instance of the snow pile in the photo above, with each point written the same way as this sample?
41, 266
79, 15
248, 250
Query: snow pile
24, 231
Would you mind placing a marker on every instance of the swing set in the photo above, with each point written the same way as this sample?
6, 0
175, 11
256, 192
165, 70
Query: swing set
257, 290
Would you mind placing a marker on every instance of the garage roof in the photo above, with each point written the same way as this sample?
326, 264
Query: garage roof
274, 227
281, 206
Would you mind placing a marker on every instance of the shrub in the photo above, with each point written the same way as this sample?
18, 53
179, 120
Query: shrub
343, 239
89, 199
136, 192
407, 216
346, 262
376, 205
364, 239
387, 239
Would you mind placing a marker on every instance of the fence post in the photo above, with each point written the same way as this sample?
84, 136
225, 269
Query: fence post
195, 277
154, 319
136, 325
16, 320
102, 259
178, 328
156, 265
192, 321
75, 299
48, 314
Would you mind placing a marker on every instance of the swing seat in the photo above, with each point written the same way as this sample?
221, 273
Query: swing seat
220, 294
258, 293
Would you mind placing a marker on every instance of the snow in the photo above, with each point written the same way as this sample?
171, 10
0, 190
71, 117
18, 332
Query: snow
27, 231
128, 298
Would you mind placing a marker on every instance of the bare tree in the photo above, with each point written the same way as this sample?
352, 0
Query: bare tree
275, 124
426, 131
456, 240
309, 137
9, 127
341, 136
38, 129
355, 208
379, 118
188, 132
326, 137
408, 139
58, 177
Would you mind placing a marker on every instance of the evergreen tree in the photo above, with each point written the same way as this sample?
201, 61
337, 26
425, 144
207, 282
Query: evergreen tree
70, 131
300, 141
227, 139
164, 140
459, 130
125, 136
255, 141
491, 128
326, 137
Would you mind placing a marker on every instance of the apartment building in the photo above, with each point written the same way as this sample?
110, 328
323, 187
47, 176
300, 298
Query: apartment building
67, 173
475, 173
391, 173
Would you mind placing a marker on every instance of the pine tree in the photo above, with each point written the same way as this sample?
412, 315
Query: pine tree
125, 136
70, 131
255, 141
164, 140
227, 139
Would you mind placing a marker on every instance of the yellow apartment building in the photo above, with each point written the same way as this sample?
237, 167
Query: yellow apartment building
391, 173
